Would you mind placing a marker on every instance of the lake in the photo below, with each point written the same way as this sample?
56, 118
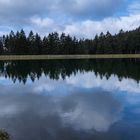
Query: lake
70, 99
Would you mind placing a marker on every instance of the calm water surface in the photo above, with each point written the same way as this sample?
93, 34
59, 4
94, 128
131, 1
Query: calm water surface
70, 99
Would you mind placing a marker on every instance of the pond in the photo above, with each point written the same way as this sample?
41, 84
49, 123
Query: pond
70, 99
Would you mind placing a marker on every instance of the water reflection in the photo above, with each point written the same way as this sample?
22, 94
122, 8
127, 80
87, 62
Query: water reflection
96, 111
85, 81
83, 104
36, 116
55, 69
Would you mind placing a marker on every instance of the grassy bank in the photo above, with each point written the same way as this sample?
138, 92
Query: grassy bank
4, 135
45, 57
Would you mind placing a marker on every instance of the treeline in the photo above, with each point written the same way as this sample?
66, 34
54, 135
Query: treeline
55, 69
20, 43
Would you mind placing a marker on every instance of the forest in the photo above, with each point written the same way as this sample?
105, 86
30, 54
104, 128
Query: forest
33, 44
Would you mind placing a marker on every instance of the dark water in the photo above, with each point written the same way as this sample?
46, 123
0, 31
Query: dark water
70, 99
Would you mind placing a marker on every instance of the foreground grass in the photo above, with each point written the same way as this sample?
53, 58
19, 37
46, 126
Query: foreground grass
45, 57
4, 135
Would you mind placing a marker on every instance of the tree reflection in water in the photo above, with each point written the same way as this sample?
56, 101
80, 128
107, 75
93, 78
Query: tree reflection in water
54, 69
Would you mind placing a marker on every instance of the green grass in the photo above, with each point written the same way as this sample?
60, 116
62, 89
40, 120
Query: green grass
45, 57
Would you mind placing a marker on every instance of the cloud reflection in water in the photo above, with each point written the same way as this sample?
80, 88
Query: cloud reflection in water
64, 108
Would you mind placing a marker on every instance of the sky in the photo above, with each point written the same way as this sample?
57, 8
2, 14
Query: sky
80, 18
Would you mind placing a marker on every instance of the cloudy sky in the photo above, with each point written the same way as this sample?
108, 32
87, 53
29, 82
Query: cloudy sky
82, 18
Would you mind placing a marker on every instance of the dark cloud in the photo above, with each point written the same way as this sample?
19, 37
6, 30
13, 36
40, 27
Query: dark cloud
90, 8
46, 16
19, 11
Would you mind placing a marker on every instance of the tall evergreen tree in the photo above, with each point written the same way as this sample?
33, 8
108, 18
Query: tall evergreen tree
121, 43
1, 46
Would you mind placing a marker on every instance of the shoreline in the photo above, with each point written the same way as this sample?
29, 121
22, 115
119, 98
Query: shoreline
53, 57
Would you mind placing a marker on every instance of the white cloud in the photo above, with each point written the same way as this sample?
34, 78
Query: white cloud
44, 16
47, 22
86, 28
44, 25
90, 28
82, 18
